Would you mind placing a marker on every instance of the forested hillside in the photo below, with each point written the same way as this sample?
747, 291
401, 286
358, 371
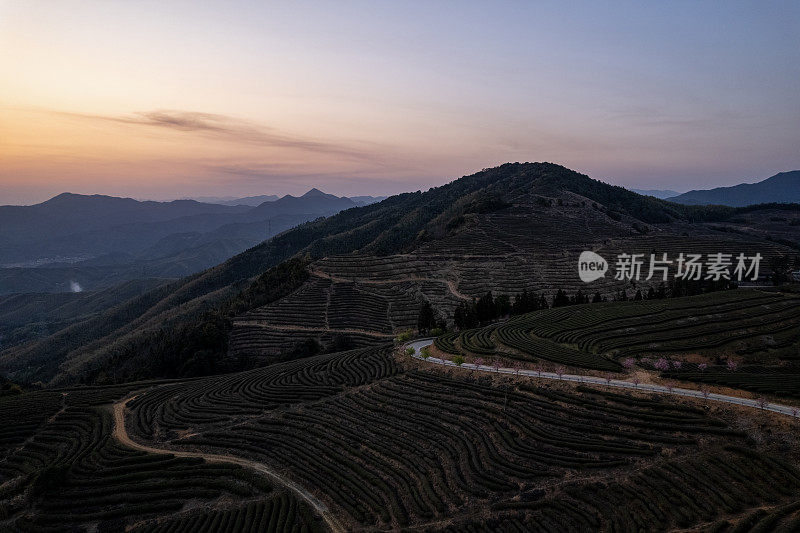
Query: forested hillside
506, 229
76, 242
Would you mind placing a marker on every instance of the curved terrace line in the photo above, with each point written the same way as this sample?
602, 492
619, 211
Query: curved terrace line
120, 433
787, 410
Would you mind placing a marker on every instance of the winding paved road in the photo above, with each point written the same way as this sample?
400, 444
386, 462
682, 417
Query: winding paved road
787, 410
121, 434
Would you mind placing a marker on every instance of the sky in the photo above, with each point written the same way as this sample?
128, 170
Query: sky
176, 99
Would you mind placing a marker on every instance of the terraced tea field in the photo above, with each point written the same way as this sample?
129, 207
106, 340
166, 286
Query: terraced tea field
61, 470
779, 381
366, 313
362, 440
387, 446
525, 247
757, 331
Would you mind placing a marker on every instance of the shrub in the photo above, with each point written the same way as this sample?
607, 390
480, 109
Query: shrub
410, 351
458, 360
404, 336
662, 364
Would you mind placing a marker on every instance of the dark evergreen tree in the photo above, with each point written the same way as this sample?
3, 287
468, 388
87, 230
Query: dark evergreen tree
560, 299
543, 302
485, 309
662, 291
517, 306
427, 318
781, 266
471, 317
459, 316
503, 305
525, 302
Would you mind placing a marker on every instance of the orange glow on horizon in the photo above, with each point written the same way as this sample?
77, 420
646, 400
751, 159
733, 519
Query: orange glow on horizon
175, 99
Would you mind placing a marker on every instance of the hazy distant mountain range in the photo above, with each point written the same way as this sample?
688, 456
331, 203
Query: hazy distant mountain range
94, 241
366, 200
780, 188
233, 200
258, 200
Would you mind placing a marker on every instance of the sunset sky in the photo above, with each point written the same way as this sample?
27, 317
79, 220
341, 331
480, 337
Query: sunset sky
171, 99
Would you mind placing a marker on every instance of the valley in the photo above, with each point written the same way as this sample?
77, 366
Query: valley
110, 240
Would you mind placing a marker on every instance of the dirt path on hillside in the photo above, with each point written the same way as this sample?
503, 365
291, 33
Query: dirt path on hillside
121, 434
258, 324
451, 285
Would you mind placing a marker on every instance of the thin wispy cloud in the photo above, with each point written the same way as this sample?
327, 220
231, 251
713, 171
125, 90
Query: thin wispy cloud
231, 129
717, 120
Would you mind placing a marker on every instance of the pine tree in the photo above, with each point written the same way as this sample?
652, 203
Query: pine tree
543, 302
427, 318
561, 299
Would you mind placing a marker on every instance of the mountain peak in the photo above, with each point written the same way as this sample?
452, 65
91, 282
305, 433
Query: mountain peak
61, 197
314, 193
71, 197
780, 188
790, 177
